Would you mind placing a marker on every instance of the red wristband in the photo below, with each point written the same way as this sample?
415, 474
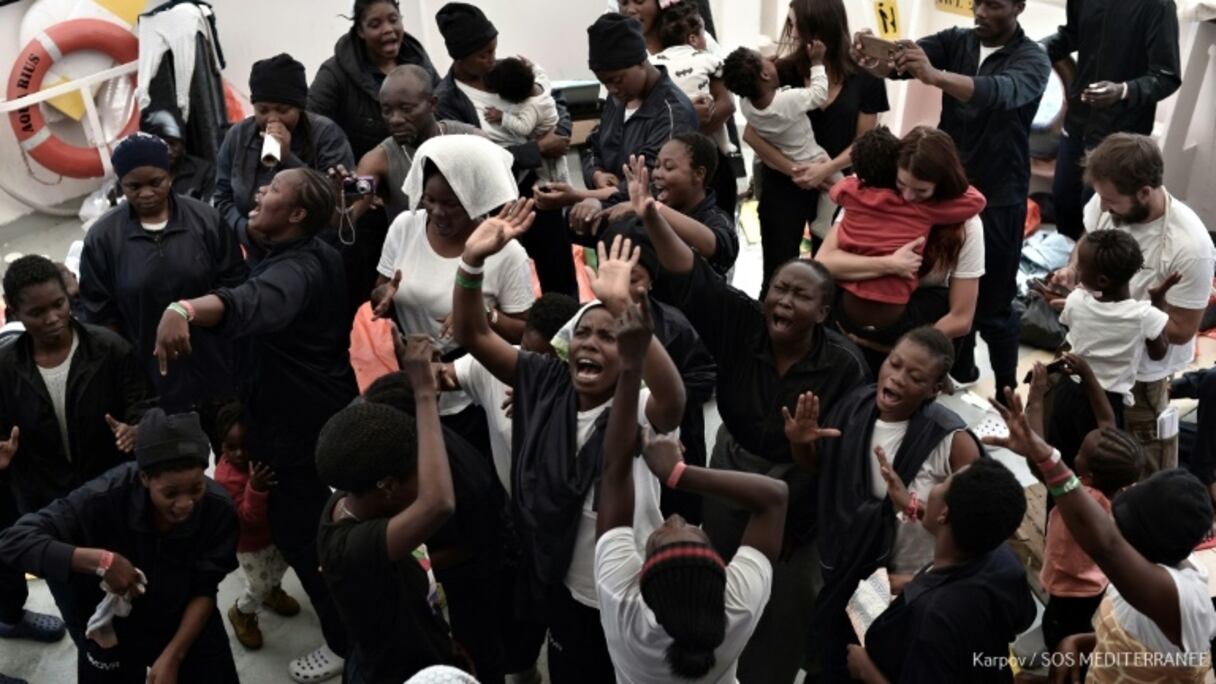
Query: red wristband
189, 310
104, 563
676, 473
912, 512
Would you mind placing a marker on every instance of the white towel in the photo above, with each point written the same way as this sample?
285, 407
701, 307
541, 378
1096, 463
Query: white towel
173, 30
478, 171
101, 623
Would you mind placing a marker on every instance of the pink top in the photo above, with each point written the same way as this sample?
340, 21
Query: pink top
1067, 571
250, 507
878, 221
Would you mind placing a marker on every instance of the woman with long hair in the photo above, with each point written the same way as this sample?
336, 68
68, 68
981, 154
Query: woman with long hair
855, 99
949, 263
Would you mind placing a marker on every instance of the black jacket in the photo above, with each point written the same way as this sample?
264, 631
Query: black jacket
664, 113
347, 89
992, 130
292, 346
455, 106
697, 368
129, 275
104, 378
1123, 41
113, 512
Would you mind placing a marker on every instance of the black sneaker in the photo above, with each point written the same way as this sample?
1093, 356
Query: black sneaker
35, 627
964, 376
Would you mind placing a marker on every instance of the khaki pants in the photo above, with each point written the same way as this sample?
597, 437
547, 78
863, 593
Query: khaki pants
1151, 399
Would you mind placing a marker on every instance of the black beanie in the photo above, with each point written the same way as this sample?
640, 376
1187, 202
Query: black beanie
1164, 517
162, 439
684, 585
139, 149
648, 259
364, 443
278, 79
615, 42
464, 28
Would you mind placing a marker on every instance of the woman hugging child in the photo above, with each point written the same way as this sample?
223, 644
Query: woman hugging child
882, 214
248, 483
532, 114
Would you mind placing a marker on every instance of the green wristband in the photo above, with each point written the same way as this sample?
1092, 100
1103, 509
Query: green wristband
1072, 484
466, 283
178, 308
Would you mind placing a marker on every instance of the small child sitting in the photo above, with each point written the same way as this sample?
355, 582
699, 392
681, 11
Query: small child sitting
1109, 461
248, 483
779, 114
532, 114
689, 64
1107, 328
878, 220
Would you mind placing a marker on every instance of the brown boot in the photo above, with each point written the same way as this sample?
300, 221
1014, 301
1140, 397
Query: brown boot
245, 626
281, 603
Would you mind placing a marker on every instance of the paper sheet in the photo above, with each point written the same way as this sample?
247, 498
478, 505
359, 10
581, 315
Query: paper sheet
872, 597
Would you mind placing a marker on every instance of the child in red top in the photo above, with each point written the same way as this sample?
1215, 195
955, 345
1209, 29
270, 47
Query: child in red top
248, 484
878, 220
1108, 461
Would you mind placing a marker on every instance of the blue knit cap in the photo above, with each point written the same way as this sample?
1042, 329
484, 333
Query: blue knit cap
139, 149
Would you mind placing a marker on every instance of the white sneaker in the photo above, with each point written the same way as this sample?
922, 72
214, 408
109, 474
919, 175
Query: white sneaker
318, 666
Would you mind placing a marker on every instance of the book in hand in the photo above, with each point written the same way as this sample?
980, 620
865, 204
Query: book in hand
872, 597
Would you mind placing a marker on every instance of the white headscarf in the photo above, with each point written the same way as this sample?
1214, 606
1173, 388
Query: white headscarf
478, 171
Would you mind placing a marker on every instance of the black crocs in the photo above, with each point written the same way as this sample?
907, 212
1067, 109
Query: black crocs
35, 627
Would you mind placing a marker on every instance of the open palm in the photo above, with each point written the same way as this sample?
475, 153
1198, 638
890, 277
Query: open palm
802, 426
610, 282
495, 232
638, 178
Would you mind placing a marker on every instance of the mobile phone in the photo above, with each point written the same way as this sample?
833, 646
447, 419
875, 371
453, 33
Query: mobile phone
1053, 367
878, 48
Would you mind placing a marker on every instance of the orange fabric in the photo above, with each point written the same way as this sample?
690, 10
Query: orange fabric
580, 273
1034, 217
371, 348
232, 103
1067, 570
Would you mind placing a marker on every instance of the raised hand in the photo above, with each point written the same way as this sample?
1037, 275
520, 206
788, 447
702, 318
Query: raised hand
1077, 366
638, 178
261, 477
382, 296
172, 339
8, 447
1021, 440
1157, 294
1038, 385
610, 282
662, 453
634, 331
802, 427
896, 491
124, 435
512, 221
416, 360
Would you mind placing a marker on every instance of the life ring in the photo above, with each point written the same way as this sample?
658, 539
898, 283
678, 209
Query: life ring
26, 79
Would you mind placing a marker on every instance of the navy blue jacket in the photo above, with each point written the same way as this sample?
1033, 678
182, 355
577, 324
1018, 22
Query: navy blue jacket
454, 105
292, 346
128, 276
666, 112
992, 130
1124, 41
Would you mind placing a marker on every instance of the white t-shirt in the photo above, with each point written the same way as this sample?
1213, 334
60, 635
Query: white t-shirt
638, 644
489, 392
580, 578
527, 120
1110, 336
985, 53
424, 299
56, 381
1178, 242
481, 102
913, 543
970, 257
784, 123
689, 68
1198, 615
154, 227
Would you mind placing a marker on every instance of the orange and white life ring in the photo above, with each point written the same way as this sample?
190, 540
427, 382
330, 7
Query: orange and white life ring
26, 77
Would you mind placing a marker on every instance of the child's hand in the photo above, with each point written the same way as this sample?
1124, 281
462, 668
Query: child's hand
493, 115
1157, 294
816, 51
261, 477
803, 426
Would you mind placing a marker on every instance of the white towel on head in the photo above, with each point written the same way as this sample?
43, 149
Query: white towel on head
478, 171
101, 623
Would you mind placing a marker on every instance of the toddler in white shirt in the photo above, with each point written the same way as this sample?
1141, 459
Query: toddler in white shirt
532, 112
690, 64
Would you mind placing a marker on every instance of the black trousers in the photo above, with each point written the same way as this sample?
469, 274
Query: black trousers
726, 188
785, 211
1068, 188
294, 511
1072, 418
474, 606
925, 307
578, 652
1066, 616
13, 591
209, 660
994, 315
547, 243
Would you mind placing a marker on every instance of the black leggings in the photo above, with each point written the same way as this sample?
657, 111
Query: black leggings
578, 651
785, 211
